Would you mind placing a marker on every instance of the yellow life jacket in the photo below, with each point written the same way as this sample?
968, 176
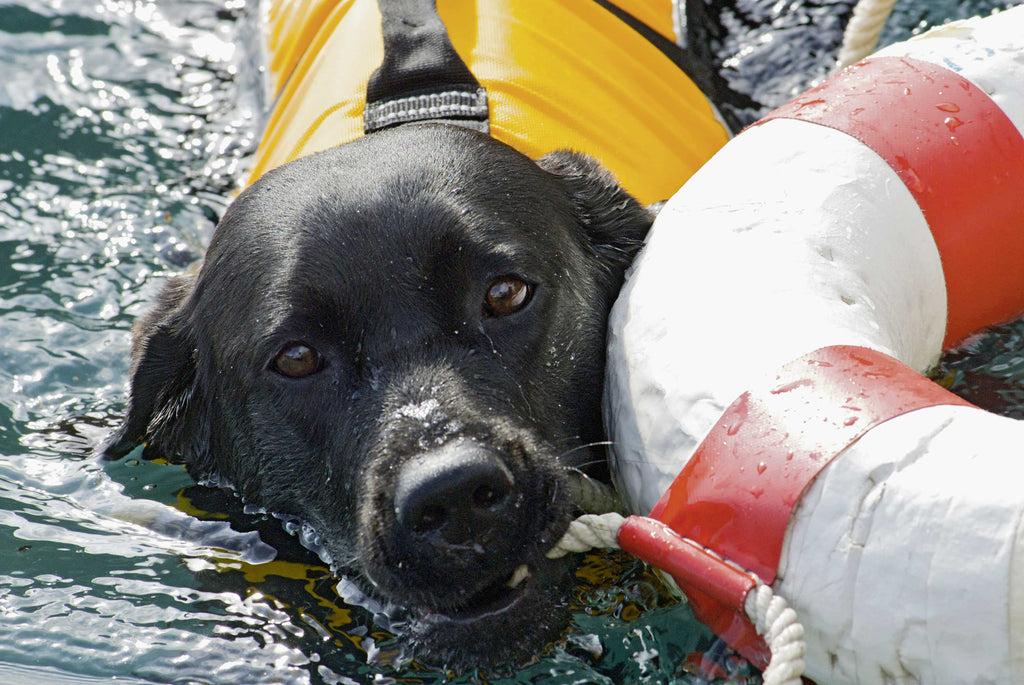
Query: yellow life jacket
558, 73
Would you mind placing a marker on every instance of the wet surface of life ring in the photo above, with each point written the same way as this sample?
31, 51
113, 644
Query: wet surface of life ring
765, 395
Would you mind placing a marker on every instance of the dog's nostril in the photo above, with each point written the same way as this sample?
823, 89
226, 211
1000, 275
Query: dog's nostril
459, 490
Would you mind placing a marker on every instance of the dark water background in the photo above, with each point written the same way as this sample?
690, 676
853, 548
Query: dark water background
124, 128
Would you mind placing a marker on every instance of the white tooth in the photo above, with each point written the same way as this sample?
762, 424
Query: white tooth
519, 575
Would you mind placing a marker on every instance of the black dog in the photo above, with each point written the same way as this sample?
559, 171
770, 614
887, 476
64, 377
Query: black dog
406, 352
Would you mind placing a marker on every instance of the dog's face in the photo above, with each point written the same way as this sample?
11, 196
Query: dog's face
401, 342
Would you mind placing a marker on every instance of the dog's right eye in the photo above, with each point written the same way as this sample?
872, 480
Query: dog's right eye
507, 296
297, 360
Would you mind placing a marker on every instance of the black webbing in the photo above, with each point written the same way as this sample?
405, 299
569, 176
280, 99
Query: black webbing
421, 77
701, 71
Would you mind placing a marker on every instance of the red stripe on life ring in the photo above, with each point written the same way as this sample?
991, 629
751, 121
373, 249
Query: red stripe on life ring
962, 159
737, 493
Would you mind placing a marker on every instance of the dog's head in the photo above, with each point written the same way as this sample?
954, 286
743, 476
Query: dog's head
401, 342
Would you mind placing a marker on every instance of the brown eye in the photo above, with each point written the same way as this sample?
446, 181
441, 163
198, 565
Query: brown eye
507, 296
297, 361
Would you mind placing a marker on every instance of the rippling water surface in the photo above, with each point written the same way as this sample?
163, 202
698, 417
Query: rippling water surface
124, 129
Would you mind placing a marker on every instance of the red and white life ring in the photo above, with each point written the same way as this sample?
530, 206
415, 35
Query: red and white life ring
764, 393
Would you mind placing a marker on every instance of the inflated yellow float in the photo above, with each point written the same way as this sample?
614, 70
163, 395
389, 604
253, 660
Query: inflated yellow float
558, 74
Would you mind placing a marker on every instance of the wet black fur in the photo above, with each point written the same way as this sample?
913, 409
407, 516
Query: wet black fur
379, 253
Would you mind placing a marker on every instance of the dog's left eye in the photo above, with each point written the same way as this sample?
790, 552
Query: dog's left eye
297, 360
507, 295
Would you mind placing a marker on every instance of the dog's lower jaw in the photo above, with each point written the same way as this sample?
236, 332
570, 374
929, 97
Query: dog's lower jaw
507, 631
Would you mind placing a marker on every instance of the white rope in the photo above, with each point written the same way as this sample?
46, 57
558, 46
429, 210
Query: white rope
772, 617
777, 623
861, 35
590, 531
591, 495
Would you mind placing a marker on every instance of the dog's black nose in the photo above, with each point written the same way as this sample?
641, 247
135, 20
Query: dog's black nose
456, 494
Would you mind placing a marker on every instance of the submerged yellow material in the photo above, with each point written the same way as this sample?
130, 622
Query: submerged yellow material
558, 74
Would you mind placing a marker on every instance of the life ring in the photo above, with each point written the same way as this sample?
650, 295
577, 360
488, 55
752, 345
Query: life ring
764, 395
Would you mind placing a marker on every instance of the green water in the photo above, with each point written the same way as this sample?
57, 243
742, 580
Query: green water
124, 126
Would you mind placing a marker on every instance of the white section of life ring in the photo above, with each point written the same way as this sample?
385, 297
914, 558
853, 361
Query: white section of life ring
913, 549
796, 261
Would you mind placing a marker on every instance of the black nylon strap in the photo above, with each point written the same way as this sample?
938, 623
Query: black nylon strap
700, 71
421, 77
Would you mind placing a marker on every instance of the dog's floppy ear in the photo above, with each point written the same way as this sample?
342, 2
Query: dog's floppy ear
615, 222
162, 399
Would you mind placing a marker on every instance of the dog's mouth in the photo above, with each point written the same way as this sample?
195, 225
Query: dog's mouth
496, 598
506, 622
